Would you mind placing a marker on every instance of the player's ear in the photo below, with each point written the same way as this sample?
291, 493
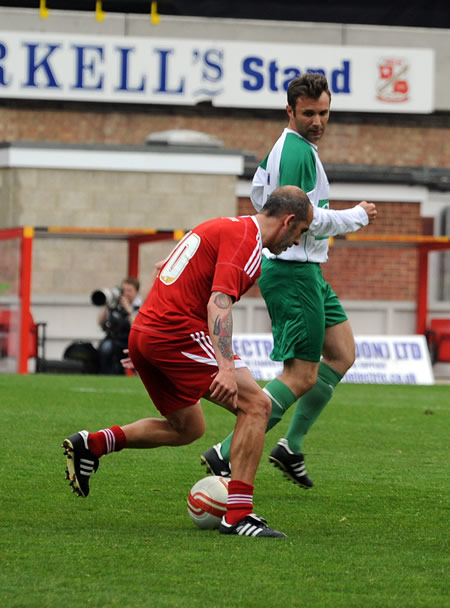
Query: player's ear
289, 220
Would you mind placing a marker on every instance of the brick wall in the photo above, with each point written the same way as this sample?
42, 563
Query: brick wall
364, 272
380, 141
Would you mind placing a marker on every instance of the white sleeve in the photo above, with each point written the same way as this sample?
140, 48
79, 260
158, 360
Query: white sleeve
331, 222
259, 191
257, 197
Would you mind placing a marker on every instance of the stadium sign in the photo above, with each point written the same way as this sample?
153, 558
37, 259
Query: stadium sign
379, 359
391, 360
113, 69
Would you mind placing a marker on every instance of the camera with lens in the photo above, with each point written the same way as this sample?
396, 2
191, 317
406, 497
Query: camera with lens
116, 323
109, 297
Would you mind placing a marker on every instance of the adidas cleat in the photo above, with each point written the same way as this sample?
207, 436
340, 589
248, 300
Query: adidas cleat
252, 525
81, 462
292, 465
215, 464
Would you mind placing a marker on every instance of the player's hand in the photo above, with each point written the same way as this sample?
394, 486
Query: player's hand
156, 268
370, 209
224, 388
127, 363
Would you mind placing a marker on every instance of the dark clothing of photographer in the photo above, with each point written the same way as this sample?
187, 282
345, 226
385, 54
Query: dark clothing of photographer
116, 319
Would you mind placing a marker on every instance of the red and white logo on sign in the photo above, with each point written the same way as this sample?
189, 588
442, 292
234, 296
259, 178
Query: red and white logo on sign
392, 84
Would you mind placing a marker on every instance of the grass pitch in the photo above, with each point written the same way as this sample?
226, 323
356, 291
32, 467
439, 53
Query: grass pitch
373, 532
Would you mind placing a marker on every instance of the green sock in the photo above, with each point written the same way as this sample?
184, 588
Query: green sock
281, 397
310, 405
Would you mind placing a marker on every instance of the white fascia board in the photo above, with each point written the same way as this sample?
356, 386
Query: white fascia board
362, 192
243, 188
112, 160
378, 192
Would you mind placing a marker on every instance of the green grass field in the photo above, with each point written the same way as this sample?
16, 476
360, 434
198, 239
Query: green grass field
373, 532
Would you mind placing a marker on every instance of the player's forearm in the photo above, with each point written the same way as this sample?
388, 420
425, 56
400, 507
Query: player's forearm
331, 222
220, 323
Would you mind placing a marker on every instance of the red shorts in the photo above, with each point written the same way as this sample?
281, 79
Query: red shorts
176, 372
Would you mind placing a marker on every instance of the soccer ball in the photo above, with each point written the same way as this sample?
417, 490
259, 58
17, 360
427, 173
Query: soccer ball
207, 502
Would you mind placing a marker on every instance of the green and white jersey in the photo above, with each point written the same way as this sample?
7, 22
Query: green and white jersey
294, 161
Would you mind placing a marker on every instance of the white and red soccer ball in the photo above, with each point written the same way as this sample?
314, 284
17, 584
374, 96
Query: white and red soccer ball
207, 502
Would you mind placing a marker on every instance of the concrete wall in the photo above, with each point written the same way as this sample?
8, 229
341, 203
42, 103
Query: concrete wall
35, 196
122, 199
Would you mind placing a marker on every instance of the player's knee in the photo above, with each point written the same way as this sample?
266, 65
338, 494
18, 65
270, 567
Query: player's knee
345, 361
191, 435
351, 356
309, 382
260, 407
189, 431
349, 361
301, 385
340, 355
195, 430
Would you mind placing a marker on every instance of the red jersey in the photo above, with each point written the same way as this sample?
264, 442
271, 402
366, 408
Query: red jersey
223, 255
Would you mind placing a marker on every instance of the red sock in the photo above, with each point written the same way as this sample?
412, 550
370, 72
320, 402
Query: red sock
240, 501
106, 441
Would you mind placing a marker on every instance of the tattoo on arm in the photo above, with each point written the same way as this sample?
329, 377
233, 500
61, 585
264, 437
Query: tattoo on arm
221, 300
226, 348
223, 326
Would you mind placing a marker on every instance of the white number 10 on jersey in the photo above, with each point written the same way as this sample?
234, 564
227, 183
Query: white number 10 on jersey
179, 258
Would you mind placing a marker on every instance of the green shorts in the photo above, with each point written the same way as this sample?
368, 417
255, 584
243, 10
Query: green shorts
301, 305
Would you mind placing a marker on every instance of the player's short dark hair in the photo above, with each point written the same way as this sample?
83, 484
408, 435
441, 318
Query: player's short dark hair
307, 85
288, 200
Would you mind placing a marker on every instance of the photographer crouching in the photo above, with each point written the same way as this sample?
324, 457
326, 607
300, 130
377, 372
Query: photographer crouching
120, 306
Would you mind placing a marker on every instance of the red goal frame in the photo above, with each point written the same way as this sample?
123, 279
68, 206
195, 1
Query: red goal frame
26, 235
137, 237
